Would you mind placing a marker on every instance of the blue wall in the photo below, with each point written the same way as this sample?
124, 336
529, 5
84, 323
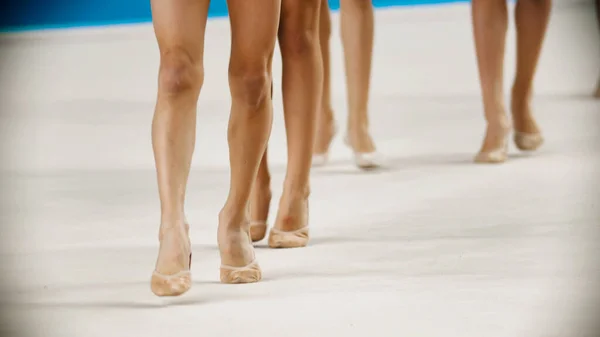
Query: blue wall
44, 14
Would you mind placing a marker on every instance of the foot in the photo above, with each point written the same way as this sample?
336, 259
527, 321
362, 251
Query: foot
528, 136
494, 148
366, 156
360, 140
238, 264
171, 275
258, 210
291, 226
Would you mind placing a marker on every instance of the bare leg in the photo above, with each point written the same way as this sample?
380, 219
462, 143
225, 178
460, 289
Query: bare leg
357, 37
260, 197
260, 201
325, 119
598, 12
302, 87
254, 26
179, 27
490, 21
597, 94
531, 18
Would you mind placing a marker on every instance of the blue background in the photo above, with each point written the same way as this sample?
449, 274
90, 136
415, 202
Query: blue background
20, 15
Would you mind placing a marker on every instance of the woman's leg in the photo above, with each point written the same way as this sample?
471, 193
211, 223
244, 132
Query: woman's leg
260, 197
302, 86
531, 18
254, 26
357, 25
325, 119
179, 26
597, 94
490, 22
598, 12
260, 201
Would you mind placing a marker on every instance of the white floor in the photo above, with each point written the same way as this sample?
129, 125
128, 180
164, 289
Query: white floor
431, 246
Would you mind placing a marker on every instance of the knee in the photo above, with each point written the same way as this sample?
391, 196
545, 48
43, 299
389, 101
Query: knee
179, 73
250, 85
298, 41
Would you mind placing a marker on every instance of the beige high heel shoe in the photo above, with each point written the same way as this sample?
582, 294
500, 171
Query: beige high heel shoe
291, 239
528, 141
497, 155
249, 273
525, 141
173, 284
365, 160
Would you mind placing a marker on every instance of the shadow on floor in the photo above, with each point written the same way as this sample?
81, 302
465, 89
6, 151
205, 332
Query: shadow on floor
392, 164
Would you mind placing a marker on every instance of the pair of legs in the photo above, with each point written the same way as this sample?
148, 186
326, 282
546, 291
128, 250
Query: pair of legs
490, 20
180, 27
301, 86
357, 28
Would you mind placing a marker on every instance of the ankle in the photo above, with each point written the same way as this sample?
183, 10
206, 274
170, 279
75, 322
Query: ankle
357, 131
173, 227
358, 123
232, 220
500, 121
499, 125
521, 93
296, 191
519, 106
259, 204
495, 112
263, 186
262, 195
172, 219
